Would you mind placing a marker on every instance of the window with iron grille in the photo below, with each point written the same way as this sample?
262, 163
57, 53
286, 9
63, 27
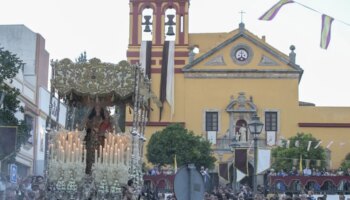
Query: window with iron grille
211, 121
270, 121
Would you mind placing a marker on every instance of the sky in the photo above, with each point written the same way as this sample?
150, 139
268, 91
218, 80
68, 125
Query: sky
101, 28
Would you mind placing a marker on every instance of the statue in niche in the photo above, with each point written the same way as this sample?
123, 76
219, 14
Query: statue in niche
243, 133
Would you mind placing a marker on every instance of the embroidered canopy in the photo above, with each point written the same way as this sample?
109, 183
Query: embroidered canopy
95, 79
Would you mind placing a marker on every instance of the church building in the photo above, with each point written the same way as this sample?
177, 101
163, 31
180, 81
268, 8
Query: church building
213, 83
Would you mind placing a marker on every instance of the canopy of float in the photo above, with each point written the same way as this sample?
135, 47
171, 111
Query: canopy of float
85, 81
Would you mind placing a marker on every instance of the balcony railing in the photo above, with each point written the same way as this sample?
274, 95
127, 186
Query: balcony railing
319, 184
223, 144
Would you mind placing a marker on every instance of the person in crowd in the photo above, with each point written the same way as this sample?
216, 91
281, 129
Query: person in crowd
128, 191
307, 171
293, 172
282, 173
206, 178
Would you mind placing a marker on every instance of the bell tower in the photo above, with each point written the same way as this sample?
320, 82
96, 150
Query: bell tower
158, 40
161, 18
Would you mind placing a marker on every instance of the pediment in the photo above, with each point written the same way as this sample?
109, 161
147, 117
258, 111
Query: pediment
242, 51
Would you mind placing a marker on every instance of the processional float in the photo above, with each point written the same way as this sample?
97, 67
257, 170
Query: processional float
94, 155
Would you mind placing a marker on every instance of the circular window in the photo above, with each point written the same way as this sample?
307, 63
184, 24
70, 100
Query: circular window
241, 54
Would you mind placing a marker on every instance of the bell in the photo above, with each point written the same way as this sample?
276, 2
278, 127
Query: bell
170, 31
147, 29
147, 23
170, 23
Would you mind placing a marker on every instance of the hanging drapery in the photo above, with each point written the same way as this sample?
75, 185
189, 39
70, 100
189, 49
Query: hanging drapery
224, 171
163, 78
143, 55
148, 59
241, 159
170, 78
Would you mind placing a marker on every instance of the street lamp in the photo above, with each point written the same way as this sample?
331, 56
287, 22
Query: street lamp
233, 147
2, 97
255, 127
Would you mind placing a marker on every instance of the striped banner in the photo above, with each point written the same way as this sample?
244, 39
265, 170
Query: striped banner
272, 12
326, 31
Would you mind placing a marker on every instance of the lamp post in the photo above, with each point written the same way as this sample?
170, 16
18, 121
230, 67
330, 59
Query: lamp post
233, 147
255, 128
2, 97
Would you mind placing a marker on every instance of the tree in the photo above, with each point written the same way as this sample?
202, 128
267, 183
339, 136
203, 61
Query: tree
346, 162
10, 64
284, 156
176, 140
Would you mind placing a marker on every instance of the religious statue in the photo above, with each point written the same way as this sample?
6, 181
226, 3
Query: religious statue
97, 125
243, 133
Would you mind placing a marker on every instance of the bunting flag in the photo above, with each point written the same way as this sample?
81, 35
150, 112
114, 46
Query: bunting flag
170, 78
224, 171
296, 143
288, 143
309, 145
241, 159
326, 31
175, 164
329, 144
272, 12
163, 77
264, 160
318, 144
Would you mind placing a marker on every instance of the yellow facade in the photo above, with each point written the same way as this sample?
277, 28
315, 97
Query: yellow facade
215, 77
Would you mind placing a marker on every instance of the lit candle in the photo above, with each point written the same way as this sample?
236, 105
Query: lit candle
118, 157
95, 156
122, 154
127, 155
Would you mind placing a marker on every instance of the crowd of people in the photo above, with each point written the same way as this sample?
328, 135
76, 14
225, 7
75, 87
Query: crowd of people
310, 172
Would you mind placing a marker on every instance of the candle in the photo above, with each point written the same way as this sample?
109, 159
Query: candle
122, 154
95, 156
118, 158
127, 155
63, 155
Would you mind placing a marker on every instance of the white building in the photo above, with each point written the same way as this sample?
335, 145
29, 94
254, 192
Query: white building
32, 82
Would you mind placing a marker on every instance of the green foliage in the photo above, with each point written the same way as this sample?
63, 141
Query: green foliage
346, 162
283, 157
174, 139
10, 64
